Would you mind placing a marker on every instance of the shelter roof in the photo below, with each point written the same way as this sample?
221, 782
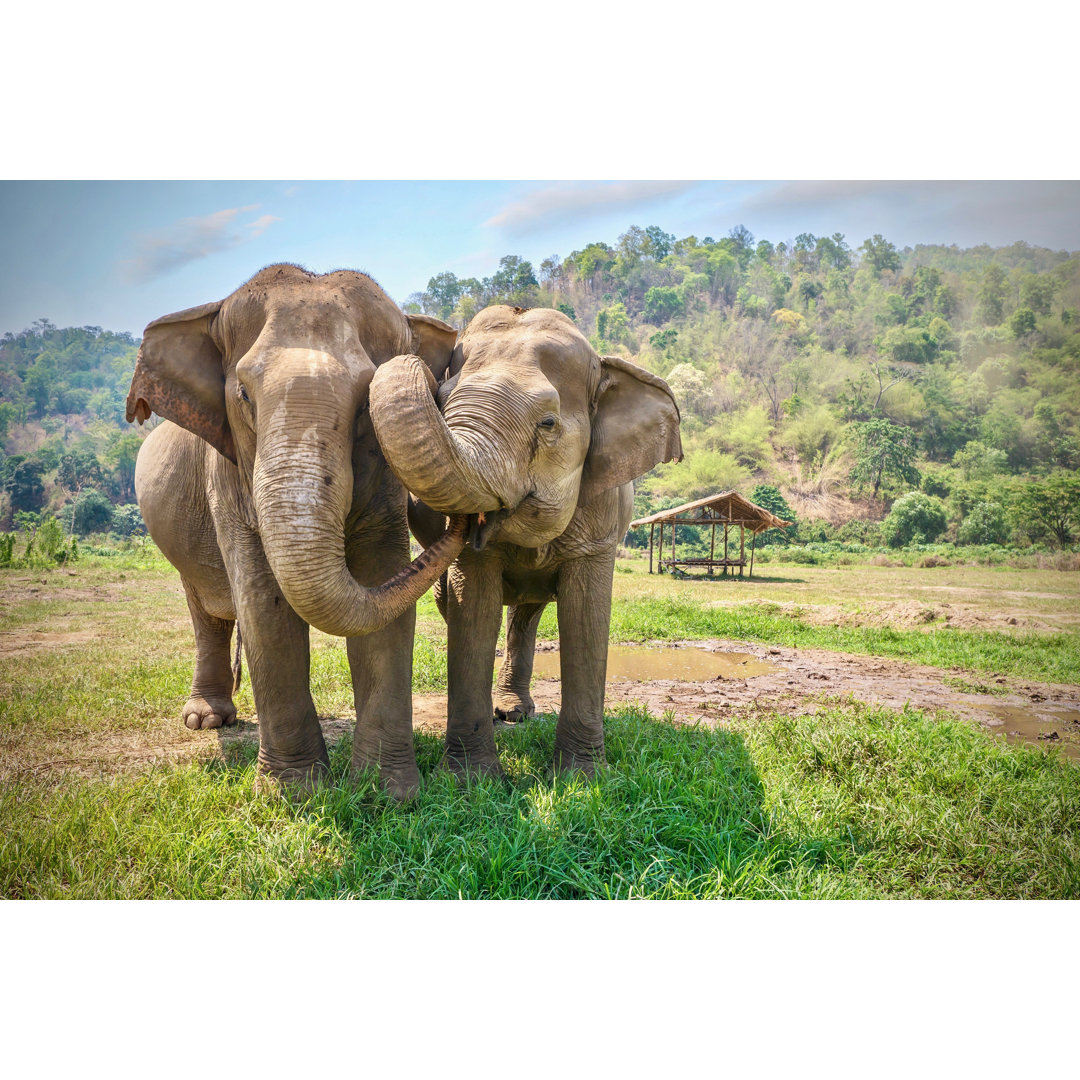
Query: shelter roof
727, 506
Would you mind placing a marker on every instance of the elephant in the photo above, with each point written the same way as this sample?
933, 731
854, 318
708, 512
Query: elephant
539, 439
265, 487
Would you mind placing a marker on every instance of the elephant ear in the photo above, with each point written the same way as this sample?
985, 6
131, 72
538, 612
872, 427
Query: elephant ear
179, 375
433, 341
635, 426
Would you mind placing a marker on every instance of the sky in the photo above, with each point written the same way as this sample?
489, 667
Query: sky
117, 254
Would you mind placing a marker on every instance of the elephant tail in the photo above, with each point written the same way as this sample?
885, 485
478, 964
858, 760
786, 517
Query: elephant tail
237, 664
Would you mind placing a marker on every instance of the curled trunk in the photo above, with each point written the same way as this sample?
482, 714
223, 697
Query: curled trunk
301, 505
446, 471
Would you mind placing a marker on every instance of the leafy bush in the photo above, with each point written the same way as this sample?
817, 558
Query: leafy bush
915, 518
127, 521
93, 513
985, 524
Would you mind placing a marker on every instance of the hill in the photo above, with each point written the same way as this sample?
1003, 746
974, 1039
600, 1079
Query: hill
835, 382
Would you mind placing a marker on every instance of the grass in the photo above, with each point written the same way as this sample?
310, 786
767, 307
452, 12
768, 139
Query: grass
1052, 657
852, 803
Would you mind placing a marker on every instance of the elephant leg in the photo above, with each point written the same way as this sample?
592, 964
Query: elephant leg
381, 665
291, 745
513, 702
211, 704
473, 618
584, 604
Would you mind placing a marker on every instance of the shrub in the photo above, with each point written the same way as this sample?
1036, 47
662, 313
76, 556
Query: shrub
915, 518
985, 524
93, 513
127, 521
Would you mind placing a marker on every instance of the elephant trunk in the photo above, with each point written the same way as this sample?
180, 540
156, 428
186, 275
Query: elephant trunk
449, 471
302, 492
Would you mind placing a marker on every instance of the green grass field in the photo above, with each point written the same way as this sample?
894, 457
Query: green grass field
104, 794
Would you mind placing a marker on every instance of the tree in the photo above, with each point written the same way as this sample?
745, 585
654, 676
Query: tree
990, 308
444, 290
834, 252
915, 518
985, 524
769, 498
662, 303
880, 254
658, 244
514, 281
1037, 291
883, 450
1049, 508
92, 513
1022, 322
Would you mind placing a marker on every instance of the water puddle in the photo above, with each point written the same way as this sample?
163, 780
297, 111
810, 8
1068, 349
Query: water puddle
1026, 725
638, 663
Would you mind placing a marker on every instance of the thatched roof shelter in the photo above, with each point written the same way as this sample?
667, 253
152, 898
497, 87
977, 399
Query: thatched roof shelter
728, 509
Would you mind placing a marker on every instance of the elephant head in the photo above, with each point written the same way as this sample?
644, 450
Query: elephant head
276, 378
529, 424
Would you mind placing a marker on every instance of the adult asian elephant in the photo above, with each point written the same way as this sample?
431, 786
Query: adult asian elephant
268, 492
540, 437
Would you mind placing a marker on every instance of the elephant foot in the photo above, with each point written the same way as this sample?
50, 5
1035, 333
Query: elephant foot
470, 767
587, 761
401, 784
292, 781
201, 713
514, 712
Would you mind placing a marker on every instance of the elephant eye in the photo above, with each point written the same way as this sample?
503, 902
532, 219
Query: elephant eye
548, 423
244, 393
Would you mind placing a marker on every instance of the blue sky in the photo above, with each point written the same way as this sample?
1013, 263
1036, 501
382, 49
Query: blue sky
117, 254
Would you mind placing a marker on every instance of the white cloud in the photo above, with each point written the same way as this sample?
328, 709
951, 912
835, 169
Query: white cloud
164, 250
562, 203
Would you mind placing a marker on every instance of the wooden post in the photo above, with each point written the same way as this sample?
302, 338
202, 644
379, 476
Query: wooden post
753, 541
673, 520
726, 527
742, 548
712, 549
652, 534
660, 557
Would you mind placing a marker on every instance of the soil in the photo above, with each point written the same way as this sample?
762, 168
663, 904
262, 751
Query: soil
803, 680
914, 614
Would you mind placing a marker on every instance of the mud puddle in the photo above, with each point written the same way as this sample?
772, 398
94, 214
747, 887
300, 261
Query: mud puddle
704, 682
640, 663
1029, 726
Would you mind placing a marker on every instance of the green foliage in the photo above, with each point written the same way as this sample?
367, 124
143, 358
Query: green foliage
1049, 508
769, 498
985, 524
662, 303
1022, 322
973, 356
915, 518
92, 513
883, 451
880, 254
127, 521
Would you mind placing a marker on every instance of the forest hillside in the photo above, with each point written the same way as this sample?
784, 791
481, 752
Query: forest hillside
871, 394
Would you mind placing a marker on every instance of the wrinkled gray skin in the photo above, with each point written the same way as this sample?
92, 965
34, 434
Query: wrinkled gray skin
267, 490
536, 432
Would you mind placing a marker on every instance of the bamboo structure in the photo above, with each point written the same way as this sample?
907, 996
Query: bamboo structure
728, 509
